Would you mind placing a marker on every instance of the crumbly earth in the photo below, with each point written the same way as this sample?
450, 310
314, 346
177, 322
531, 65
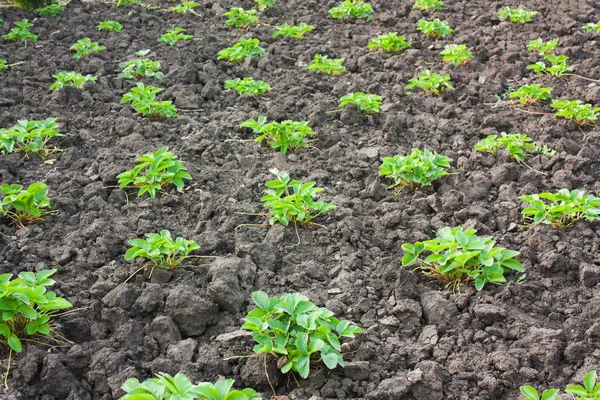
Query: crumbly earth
419, 342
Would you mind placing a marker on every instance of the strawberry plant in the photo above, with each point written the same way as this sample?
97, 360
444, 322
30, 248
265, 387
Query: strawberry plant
558, 66
355, 9
366, 103
30, 137
543, 48
390, 43
518, 145
21, 32
140, 68
420, 168
154, 172
457, 54
248, 86
285, 135
109, 26
428, 5
431, 82
581, 114
516, 15
143, 101
561, 209
240, 18
531, 94
531, 394
263, 4
72, 79
435, 29
173, 36
25, 206
186, 7
324, 65
241, 50
4, 66
85, 47
590, 389
297, 332
592, 27
459, 256
294, 32
51, 11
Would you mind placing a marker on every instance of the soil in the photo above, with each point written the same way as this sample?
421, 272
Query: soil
419, 342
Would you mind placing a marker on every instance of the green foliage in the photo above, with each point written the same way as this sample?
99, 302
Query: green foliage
85, 47
161, 250
434, 29
460, 256
130, 2
173, 36
324, 65
592, 27
558, 66
581, 114
241, 50
420, 168
31, 5
589, 391
561, 209
141, 68
457, 54
72, 79
355, 9
263, 4
3, 65
519, 146
21, 32
366, 103
27, 307
428, 5
296, 331
531, 394
240, 18
390, 43
30, 137
248, 86
25, 206
109, 26
286, 135
154, 172
143, 101
531, 94
185, 7
516, 15
51, 11
543, 48
431, 82
295, 32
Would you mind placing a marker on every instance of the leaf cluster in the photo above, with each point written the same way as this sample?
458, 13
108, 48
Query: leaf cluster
561, 209
420, 168
516, 15
457, 54
3, 64
248, 86
85, 47
294, 32
390, 43
355, 9
51, 11
141, 68
519, 146
431, 82
241, 50
543, 48
285, 135
531, 94
30, 137
25, 206
434, 29
21, 32
161, 250
558, 66
589, 391
595, 27
185, 7
109, 26
143, 100
576, 110
324, 65
428, 5
173, 36
240, 18
263, 4
366, 103
72, 79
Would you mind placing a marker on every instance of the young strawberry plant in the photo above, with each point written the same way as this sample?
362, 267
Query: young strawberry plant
590, 389
519, 146
543, 48
285, 135
355, 9
431, 82
30, 137
428, 5
109, 26
241, 50
459, 256
558, 66
366, 103
143, 101
324, 65
51, 11
155, 172
72, 79
531, 94
186, 7
420, 168
531, 394
592, 27
4, 66
25, 206
390, 43
21, 32
248, 86
173, 36
263, 4
457, 54
435, 29
85, 47
239, 18
575, 110
297, 332
516, 15
561, 209
294, 32
140, 68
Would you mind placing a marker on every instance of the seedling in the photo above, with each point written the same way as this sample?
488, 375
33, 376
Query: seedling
420, 168
431, 82
531, 394
355, 9
248, 86
130, 2
457, 54
72, 79
240, 18
519, 146
295, 32
141, 68
21, 32
531, 94
186, 7
154, 172
30, 137
516, 15
173, 36
390, 43
143, 101
366, 103
297, 332
543, 48
85, 47
435, 29
461, 257
558, 66
561, 209
241, 50
51, 11
25, 207
285, 135
324, 65
592, 27
581, 114
5, 66
110, 26
263, 4
429, 5
589, 391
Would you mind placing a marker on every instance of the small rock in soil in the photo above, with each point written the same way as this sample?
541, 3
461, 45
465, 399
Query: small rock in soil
437, 309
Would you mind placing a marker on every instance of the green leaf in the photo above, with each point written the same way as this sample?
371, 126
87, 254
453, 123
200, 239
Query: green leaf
14, 343
303, 366
261, 299
330, 359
